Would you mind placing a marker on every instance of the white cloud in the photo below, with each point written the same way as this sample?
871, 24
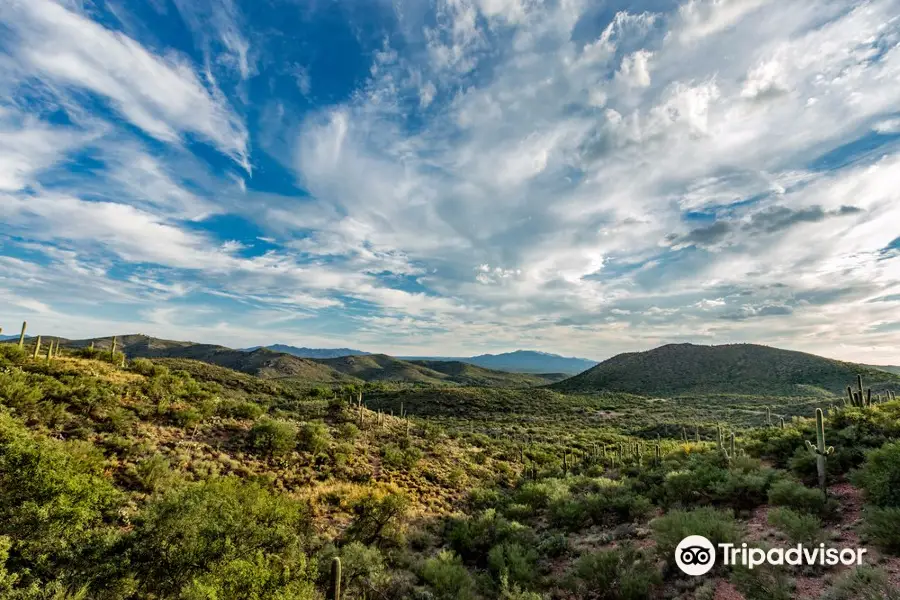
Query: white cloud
520, 174
28, 146
162, 96
635, 69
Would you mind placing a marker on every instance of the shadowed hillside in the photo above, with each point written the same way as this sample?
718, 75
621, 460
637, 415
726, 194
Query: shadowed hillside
735, 368
268, 364
261, 362
380, 367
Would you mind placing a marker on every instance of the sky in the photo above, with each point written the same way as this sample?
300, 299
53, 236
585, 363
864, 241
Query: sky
453, 177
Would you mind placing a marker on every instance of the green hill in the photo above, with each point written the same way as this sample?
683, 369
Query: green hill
261, 362
354, 369
678, 369
380, 367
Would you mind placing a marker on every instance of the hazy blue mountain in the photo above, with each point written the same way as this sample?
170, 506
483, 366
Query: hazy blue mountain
530, 361
311, 352
521, 361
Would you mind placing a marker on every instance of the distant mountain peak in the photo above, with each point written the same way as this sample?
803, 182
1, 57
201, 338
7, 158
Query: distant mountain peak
309, 352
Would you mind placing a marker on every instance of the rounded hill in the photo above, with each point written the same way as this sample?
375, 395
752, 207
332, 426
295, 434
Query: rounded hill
677, 369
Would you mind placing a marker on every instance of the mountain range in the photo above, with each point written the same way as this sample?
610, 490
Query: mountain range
671, 370
520, 361
342, 370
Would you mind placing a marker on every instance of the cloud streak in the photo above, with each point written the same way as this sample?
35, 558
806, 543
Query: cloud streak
493, 174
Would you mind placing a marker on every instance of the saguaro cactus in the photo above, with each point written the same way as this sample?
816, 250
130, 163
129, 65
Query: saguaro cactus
697, 433
820, 451
112, 352
768, 416
37, 348
782, 422
334, 593
720, 442
861, 398
22, 335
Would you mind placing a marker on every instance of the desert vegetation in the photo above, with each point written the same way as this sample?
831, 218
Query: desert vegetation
172, 478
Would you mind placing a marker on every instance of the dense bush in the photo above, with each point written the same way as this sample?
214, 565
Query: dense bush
879, 477
716, 525
798, 527
882, 526
800, 498
55, 504
211, 535
378, 519
622, 573
448, 577
474, 537
314, 438
862, 583
611, 504
272, 438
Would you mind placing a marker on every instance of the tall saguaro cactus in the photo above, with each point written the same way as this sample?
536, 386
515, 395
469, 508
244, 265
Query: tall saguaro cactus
720, 442
22, 335
37, 348
820, 451
861, 398
334, 592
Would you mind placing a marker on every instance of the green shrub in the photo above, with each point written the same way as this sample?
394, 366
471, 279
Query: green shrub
394, 456
763, 582
622, 573
146, 367
153, 473
513, 560
378, 519
539, 495
797, 496
483, 498
613, 505
54, 504
240, 409
882, 527
448, 578
718, 526
362, 569
348, 432
225, 527
253, 577
798, 527
314, 438
862, 583
271, 437
473, 537
879, 477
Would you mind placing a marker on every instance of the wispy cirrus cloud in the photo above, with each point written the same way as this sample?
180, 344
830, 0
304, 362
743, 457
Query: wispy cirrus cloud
480, 175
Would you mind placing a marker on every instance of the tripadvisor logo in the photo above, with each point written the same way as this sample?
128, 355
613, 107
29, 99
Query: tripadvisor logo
696, 555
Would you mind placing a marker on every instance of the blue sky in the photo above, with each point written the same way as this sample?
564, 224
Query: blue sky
456, 176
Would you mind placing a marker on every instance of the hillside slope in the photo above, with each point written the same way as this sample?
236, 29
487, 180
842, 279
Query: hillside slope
261, 362
309, 352
381, 367
730, 369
